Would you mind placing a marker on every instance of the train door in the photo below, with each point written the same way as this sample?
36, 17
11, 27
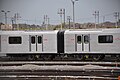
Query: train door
35, 43
86, 42
83, 43
79, 43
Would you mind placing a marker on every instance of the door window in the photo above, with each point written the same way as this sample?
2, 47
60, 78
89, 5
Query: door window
33, 39
39, 39
86, 39
79, 40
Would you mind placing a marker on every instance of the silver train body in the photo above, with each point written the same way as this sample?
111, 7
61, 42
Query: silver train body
85, 41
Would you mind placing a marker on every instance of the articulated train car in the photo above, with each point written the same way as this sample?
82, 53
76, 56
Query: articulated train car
27, 43
94, 43
80, 44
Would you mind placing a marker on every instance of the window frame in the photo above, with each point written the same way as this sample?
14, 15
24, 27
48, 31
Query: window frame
86, 39
39, 39
33, 41
107, 39
79, 39
12, 39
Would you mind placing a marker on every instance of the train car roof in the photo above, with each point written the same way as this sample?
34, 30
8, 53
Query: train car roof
28, 32
100, 30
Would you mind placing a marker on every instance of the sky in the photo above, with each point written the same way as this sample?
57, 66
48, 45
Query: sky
33, 11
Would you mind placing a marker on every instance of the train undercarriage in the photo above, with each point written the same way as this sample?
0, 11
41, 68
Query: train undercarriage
60, 57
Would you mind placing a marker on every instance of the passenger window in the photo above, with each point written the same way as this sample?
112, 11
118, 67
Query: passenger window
105, 39
39, 39
86, 39
79, 39
33, 39
15, 40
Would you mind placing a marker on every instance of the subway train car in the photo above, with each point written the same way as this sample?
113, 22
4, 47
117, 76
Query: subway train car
94, 43
27, 43
47, 45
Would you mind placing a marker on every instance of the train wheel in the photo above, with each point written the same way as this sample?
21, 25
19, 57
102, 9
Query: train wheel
96, 57
79, 57
37, 57
31, 57
86, 57
46, 57
118, 57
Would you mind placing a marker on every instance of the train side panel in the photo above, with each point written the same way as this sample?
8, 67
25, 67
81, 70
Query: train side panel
105, 43
17, 42
77, 42
43, 42
100, 41
50, 42
8, 44
69, 40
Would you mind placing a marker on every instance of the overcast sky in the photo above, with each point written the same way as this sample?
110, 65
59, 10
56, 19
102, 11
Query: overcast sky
32, 11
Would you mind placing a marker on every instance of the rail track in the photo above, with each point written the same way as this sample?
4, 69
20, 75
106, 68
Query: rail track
59, 70
73, 63
56, 75
96, 74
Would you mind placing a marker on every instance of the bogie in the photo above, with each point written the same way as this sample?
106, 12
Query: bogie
97, 57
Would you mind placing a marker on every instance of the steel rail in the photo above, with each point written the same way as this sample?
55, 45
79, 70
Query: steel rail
113, 64
36, 77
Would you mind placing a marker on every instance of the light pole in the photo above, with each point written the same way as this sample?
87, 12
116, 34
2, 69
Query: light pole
61, 12
46, 16
73, 2
64, 16
116, 14
103, 20
96, 14
17, 16
46, 21
95, 18
5, 12
69, 18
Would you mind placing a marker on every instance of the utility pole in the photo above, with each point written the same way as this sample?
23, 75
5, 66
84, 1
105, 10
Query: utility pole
46, 21
16, 17
96, 14
12, 19
5, 12
69, 18
73, 2
61, 12
103, 20
64, 16
95, 18
116, 15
